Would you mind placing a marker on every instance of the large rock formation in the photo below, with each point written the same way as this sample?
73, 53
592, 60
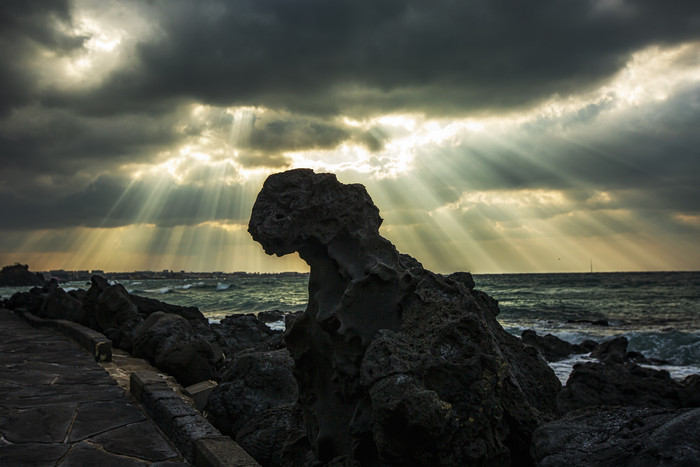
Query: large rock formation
395, 364
625, 436
18, 275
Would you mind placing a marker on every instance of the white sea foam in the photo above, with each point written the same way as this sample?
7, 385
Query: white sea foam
222, 286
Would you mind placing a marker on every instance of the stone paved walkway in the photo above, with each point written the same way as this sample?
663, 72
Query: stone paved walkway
58, 407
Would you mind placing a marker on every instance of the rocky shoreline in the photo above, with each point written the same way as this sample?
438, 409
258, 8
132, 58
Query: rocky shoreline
390, 363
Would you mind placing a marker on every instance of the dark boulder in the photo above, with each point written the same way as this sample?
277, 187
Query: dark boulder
29, 301
620, 436
200, 324
18, 275
586, 346
553, 348
599, 384
550, 346
253, 382
116, 315
395, 364
169, 342
611, 351
246, 331
59, 304
264, 436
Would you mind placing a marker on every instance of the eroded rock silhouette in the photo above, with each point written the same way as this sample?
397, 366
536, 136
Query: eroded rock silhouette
395, 364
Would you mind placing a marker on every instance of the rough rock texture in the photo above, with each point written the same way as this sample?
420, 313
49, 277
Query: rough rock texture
611, 351
246, 331
253, 382
263, 436
169, 342
395, 364
59, 304
601, 384
18, 275
553, 348
622, 437
178, 340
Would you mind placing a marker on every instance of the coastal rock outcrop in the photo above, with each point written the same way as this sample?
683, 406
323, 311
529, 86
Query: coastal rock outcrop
600, 384
252, 383
18, 275
553, 348
247, 331
169, 342
395, 364
630, 436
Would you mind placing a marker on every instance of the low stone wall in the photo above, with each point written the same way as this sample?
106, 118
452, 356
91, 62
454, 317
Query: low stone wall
187, 429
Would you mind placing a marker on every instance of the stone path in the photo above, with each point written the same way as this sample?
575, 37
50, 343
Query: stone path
58, 407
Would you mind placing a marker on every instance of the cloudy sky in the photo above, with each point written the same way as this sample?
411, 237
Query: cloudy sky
493, 135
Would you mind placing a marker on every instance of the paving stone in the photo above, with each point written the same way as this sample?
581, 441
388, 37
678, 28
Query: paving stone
97, 417
32, 454
137, 440
53, 394
59, 407
85, 454
47, 424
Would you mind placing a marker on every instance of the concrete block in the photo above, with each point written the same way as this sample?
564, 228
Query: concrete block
140, 379
200, 393
221, 451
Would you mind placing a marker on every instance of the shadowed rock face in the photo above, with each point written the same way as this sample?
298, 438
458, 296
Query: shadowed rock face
395, 364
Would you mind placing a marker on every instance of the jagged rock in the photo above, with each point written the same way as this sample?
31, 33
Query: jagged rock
253, 383
200, 324
553, 348
116, 315
550, 346
263, 436
59, 304
620, 436
598, 384
611, 351
30, 301
395, 364
18, 275
586, 346
168, 341
246, 331
147, 305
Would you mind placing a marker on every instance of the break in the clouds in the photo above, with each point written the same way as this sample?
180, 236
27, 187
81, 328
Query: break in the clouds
494, 129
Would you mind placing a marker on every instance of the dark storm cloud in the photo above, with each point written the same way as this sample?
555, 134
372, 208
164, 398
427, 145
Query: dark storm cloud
27, 29
379, 55
113, 202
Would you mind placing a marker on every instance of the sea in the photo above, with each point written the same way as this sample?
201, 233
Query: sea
658, 312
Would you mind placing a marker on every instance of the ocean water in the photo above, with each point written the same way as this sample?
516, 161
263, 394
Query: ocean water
659, 312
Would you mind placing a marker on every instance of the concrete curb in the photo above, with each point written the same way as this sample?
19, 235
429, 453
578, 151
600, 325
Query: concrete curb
193, 435
97, 344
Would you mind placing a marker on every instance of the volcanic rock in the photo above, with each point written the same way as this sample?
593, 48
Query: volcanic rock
168, 341
395, 364
620, 436
246, 331
553, 348
252, 383
611, 351
59, 304
599, 384
18, 275
116, 315
264, 436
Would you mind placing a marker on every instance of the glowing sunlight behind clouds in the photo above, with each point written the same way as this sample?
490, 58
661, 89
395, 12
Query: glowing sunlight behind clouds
145, 135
